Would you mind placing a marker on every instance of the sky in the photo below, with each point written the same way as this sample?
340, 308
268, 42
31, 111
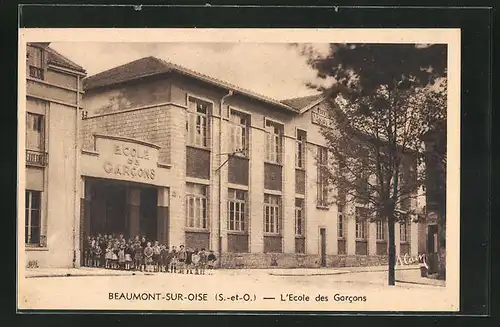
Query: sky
276, 70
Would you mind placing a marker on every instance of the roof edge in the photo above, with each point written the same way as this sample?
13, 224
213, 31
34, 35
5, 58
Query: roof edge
174, 68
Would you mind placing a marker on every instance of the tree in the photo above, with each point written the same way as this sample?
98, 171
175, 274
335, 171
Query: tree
380, 112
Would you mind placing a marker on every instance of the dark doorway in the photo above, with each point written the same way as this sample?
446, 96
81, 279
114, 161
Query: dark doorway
108, 210
113, 207
149, 213
322, 234
432, 239
432, 248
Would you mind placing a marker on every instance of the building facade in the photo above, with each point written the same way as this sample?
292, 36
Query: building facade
435, 150
187, 159
53, 100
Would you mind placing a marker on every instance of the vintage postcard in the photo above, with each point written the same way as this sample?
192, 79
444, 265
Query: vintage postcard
239, 169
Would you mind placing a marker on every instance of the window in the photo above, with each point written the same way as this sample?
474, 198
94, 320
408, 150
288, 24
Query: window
340, 222
407, 180
405, 203
272, 213
300, 151
341, 185
299, 217
239, 132
273, 141
34, 132
381, 231
322, 180
237, 210
35, 62
361, 223
196, 206
32, 217
197, 122
362, 190
404, 232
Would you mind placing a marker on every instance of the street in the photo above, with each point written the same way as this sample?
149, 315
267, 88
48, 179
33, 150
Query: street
233, 289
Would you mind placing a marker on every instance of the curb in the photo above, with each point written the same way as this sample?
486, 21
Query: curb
85, 275
339, 272
311, 274
418, 283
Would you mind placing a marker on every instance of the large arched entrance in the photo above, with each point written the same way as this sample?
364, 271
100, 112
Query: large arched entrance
112, 207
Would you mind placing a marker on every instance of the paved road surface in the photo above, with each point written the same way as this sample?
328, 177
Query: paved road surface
94, 291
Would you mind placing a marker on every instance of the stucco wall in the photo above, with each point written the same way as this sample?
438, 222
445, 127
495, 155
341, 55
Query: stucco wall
59, 194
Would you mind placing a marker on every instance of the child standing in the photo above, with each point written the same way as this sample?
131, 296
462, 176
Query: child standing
196, 261
156, 256
164, 258
203, 260
189, 261
211, 260
173, 260
129, 251
148, 256
103, 244
181, 257
138, 255
114, 255
108, 255
121, 254
97, 254
91, 252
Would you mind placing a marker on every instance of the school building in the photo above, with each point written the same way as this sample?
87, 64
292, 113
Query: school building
184, 158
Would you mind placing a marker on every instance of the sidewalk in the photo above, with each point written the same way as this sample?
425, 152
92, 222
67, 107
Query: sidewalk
335, 271
404, 274
409, 274
78, 272
86, 271
413, 277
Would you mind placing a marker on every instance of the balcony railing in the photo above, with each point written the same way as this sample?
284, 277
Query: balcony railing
36, 158
36, 72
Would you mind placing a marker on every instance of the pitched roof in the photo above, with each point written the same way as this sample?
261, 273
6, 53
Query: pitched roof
150, 66
302, 102
133, 70
58, 59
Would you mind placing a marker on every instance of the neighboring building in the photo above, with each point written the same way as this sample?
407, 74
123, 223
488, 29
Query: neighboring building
53, 100
187, 159
435, 186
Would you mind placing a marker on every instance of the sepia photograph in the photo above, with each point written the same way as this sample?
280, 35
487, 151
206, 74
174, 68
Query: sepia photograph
281, 170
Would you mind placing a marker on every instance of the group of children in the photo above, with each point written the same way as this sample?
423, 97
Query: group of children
111, 252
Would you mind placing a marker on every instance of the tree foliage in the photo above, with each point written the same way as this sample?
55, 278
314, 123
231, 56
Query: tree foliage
377, 143
386, 101
365, 67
